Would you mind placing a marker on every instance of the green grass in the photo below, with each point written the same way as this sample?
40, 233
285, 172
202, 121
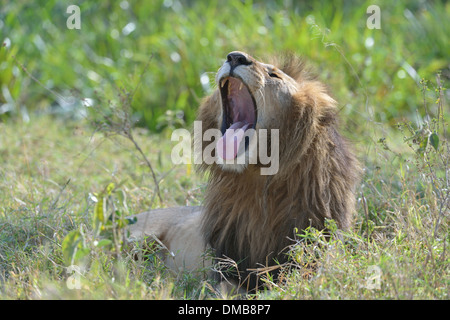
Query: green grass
185, 40
57, 156
52, 168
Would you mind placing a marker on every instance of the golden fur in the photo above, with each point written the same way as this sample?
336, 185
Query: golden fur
250, 217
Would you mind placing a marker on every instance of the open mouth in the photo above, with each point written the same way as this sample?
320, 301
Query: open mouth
239, 115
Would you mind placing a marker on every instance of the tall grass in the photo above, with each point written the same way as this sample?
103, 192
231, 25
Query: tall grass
188, 40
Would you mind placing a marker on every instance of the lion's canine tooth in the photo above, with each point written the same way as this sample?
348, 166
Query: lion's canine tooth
222, 83
240, 86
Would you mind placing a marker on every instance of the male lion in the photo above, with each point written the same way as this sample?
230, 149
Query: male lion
248, 216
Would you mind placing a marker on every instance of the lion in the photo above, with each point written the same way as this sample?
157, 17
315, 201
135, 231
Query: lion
249, 217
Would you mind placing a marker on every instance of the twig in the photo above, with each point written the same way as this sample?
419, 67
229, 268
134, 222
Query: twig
140, 77
59, 194
366, 213
129, 135
127, 131
24, 69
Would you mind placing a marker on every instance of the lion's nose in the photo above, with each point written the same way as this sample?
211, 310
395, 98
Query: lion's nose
236, 59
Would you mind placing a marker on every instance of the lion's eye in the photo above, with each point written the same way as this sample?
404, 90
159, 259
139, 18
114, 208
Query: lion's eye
274, 75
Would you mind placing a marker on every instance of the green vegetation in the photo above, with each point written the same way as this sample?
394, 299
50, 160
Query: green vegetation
85, 113
186, 40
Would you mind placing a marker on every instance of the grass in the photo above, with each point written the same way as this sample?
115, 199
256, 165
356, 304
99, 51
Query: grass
188, 40
51, 170
58, 157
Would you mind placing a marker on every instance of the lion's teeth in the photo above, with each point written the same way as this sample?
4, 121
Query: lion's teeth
240, 86
222, 83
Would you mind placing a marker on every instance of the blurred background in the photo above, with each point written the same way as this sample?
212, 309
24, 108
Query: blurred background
173, 48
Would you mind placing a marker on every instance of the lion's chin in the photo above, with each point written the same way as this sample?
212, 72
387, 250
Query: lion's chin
237, 165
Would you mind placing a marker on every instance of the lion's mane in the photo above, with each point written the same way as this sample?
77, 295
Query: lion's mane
252, 218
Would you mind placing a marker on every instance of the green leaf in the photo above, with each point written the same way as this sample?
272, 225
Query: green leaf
131, 220
122, 197
71, 243
122, 222
81, 252
104, 243
434, 140
99, 216
422, 146
110, 188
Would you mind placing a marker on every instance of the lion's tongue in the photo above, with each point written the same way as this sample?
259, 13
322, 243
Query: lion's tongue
228, 145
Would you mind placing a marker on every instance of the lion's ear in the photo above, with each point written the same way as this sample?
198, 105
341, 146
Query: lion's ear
328, 108
315, 104
293, 65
